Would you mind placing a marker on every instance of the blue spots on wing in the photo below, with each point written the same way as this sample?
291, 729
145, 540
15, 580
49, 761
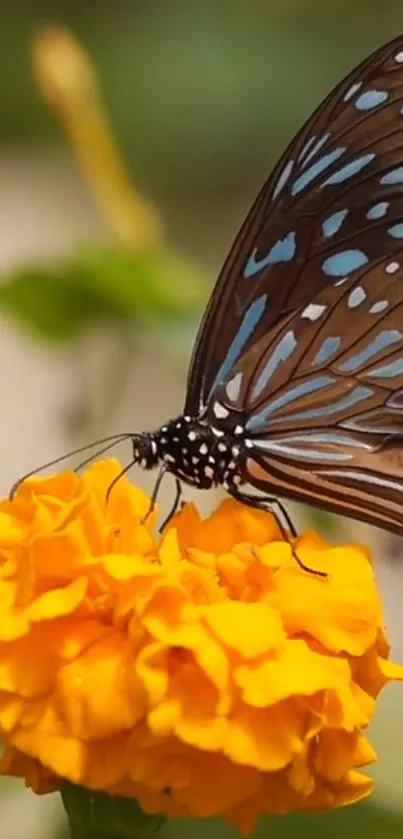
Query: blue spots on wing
377, 210
285, 174
316, 169
327, 349
358, 394
349, 170
290, 395
283, 251
248, 325
356, 297
378, 307
396, 231
387, 371
371, 99
343, 263
333, 223
299, 446
281, 352
385, 339
395, 176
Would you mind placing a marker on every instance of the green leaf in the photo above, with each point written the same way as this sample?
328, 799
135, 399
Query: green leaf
152, 285
51, 305
96, 815
144, 289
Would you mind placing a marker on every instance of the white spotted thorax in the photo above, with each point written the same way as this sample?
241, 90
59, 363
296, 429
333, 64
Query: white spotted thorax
194, 451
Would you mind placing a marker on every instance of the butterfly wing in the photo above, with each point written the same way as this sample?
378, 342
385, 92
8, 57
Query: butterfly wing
323, 407
323, 213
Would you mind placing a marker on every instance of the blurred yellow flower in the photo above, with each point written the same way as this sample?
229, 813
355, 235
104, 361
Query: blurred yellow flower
203, 672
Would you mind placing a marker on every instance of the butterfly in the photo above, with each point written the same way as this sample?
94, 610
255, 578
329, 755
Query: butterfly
295, 387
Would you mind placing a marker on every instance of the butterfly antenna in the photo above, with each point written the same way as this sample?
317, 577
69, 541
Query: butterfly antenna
99, 452
112, 440
118, 477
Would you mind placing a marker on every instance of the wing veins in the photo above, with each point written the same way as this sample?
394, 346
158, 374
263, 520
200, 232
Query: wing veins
295, 375
267, 217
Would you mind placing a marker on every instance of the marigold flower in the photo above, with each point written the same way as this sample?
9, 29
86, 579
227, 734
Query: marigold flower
201, 672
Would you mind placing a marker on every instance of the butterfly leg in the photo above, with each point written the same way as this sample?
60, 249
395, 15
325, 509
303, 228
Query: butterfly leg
175, 505
155, 492
269, 505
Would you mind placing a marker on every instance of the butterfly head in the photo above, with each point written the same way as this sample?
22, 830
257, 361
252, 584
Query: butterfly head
145, 450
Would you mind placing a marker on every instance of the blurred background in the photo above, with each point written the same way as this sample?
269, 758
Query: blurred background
133, 137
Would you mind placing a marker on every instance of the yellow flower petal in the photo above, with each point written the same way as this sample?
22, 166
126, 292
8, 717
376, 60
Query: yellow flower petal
202, 672
59, 602
297, 670
227, 621
266, 739
343, 611
98, 695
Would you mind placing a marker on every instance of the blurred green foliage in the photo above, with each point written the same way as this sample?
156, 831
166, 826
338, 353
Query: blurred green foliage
113, 286
203, 97
96, 815
360, 820
202, 94
92, 816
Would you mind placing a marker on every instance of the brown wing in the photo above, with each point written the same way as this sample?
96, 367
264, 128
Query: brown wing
322, 399
345, 159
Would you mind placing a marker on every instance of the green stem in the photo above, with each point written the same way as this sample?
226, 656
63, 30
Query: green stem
97, 815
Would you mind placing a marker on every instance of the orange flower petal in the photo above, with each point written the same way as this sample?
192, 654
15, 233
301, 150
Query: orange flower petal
202, 672
297, 670
227, 620
59, 602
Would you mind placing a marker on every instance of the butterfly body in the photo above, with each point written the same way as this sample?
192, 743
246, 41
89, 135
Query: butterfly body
295, 386
194, 451
296, 382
